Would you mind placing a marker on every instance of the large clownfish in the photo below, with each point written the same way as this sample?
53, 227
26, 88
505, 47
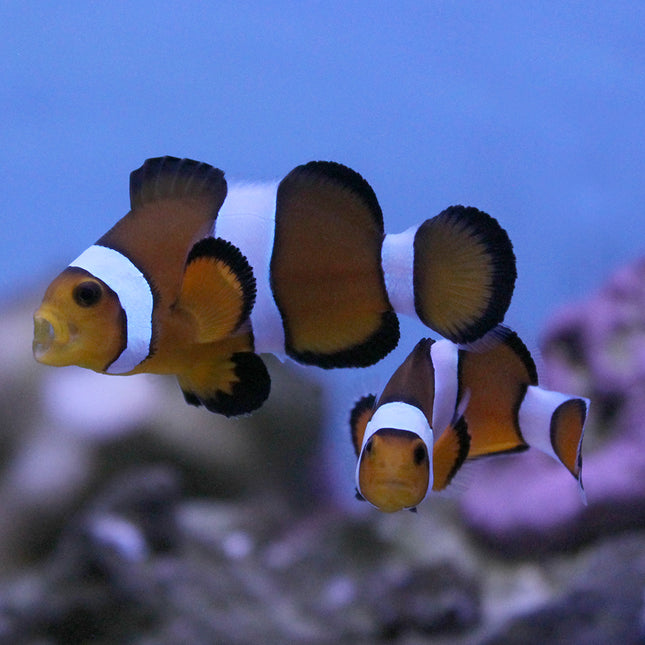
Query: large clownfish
175, 288
493, 395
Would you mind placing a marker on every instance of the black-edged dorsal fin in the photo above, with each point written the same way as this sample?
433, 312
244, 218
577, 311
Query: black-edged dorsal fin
326, 272
172, 178
174, 204
516, 344
413, 381
496, 379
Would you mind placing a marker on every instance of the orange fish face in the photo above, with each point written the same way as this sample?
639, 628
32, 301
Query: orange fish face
80, 322
394, 471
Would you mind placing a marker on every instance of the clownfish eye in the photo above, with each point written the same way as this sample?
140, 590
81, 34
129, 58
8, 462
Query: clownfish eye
87, 294
420, 455
368, 447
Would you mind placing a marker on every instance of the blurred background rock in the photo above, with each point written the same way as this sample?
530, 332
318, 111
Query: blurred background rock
127, 516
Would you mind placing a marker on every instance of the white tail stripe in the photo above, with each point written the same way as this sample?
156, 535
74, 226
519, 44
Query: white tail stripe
135, 296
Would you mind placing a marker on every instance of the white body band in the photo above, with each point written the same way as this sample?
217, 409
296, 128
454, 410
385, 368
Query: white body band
135, 297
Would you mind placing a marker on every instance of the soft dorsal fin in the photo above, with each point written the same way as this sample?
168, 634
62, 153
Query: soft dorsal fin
359, 418
218, 289
326, 272
174, 204
517, 346
497, 379
413, 381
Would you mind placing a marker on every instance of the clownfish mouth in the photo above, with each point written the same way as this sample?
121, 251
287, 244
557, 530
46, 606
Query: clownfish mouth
44, 336
50, 336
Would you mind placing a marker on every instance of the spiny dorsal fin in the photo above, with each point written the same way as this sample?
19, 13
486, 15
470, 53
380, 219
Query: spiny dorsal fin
359, 418
413, 381
174, 204
464, 273
168, 177
218, 288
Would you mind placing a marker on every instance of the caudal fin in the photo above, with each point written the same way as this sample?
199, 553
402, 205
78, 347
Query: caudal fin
464, 273
567, 431
554, 423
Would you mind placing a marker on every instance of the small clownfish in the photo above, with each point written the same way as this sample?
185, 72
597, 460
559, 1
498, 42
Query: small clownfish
197, 283
399, 462
492, 389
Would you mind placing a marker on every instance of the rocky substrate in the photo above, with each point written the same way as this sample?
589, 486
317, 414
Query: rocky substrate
128, 517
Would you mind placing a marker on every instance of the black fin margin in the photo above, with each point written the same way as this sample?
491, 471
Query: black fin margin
582, 410
223, 250
249, 392
461, 429
334, 171
517, 345
367, 353
500, 249
165, 177
191, 398
365, 403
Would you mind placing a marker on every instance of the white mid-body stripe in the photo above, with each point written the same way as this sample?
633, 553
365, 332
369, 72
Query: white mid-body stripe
399, 416
445, 360
135, 296
397, 256
247, 220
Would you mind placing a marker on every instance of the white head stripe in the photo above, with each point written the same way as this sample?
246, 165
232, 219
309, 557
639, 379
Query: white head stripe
399, 416
135, 296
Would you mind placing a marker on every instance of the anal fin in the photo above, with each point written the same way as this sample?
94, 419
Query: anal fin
231, 384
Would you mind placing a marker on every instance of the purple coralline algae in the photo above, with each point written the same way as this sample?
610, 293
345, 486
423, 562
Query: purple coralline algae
594, 348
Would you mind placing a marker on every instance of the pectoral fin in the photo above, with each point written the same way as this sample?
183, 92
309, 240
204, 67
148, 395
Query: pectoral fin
449, 453
218, 289
359, 418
